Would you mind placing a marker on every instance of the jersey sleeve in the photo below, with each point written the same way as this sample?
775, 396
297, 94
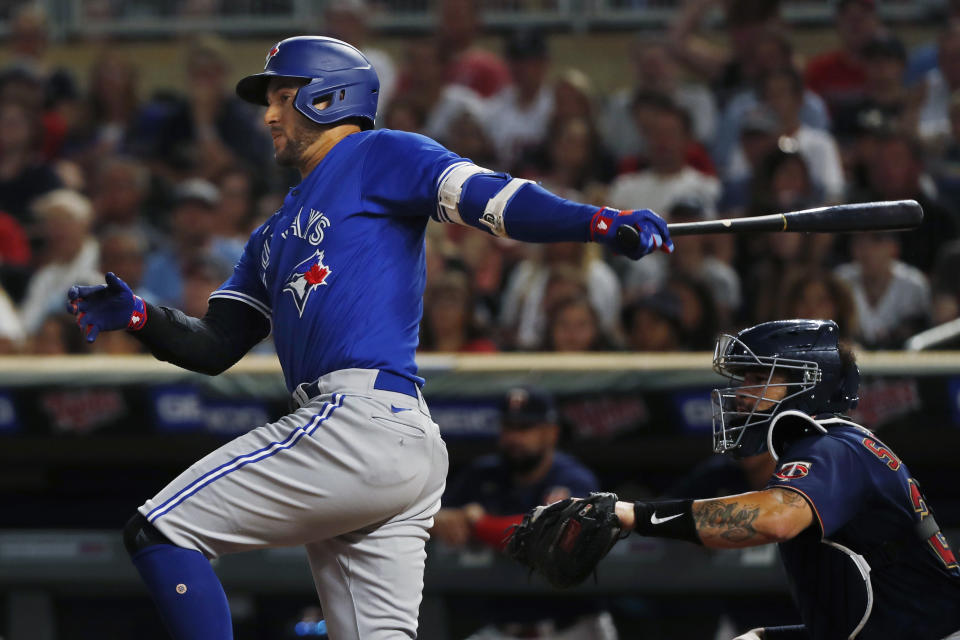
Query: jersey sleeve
829, 475
246, 284
402, 173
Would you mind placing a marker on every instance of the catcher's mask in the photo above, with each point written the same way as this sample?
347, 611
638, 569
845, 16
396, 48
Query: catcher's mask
802, 356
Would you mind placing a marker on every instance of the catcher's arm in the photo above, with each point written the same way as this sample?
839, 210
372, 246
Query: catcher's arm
744, 520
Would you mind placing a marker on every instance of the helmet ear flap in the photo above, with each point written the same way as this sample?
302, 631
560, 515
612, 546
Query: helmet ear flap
848, 392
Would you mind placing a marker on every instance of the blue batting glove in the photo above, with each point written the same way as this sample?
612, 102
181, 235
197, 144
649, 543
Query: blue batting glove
106, 307
653, 231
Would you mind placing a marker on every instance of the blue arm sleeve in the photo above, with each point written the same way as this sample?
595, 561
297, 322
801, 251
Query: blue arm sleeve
522, 210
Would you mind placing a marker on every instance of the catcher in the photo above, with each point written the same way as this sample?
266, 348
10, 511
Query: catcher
863, 553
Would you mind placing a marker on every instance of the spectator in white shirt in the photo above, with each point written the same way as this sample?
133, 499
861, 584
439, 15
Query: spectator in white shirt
518, 116
70, 254
668, 178
892, 298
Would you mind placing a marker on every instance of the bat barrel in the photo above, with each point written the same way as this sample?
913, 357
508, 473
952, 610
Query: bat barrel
895, 215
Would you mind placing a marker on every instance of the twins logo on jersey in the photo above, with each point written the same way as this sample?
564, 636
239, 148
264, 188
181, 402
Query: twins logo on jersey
793, 470
307, 277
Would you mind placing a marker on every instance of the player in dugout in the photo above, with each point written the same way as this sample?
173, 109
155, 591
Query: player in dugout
863, 554
355, 473
494, 492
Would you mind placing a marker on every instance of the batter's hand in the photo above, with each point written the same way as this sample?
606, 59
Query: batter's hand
654, 233
753, 634
106, 307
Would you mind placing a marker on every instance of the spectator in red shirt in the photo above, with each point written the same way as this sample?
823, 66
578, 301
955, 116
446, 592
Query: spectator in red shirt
14, 247
459, 25
839, 76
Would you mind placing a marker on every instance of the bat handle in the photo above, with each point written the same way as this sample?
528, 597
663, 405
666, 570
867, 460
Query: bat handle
628, 238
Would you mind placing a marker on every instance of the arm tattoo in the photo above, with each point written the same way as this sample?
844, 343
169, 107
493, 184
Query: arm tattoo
729, 520
789, 498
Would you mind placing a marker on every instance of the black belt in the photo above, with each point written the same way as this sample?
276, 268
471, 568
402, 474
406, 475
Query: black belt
386, 381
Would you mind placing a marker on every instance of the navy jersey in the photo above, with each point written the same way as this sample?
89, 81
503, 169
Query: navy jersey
487, 482
339, 270
877, 567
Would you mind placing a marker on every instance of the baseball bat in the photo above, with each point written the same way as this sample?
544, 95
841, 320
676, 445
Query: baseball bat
892, 215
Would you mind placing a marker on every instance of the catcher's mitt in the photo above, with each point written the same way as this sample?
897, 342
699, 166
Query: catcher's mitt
565, 540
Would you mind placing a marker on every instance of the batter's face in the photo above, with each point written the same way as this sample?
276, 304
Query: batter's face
292, 132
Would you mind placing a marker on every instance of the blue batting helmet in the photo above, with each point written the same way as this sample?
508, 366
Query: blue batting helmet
806, 354
335, 71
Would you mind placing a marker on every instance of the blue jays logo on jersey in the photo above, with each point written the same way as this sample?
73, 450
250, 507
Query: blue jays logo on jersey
793, 470
307, 277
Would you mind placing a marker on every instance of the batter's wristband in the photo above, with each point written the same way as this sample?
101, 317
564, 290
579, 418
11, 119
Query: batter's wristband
666, 519
139, 316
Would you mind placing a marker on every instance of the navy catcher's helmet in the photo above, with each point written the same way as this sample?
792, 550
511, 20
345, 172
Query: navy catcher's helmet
336, 71
806, 353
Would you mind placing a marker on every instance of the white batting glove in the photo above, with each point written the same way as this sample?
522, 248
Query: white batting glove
753, 634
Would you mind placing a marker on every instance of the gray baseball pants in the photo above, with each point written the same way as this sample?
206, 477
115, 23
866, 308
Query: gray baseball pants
354, 475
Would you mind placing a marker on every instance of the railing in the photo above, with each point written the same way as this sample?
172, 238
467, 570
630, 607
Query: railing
162, 18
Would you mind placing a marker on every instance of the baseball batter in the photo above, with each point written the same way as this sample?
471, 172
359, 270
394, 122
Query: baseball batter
356, 472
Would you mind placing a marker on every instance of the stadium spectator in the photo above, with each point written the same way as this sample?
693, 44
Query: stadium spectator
28, 51
777, 54
12, 335
192, 224
494, 491
698, 311
892, 298
105, 118
120, 187
56, 335
940, 85
840, 75
885, 97
782, 91
571, 162
668, 176
758, 139
208, 130
69, 254
123, 251
14, 246
895, 171
655, 71
428, 103
818, 294
531, 286
467, 137
450, 322
694, 260
201, 277
924, 58
735, 67
349, 20
652, 323
23, 174
573, 325
517, 117
465, 63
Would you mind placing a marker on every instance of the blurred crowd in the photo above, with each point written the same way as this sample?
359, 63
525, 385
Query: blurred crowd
165, 189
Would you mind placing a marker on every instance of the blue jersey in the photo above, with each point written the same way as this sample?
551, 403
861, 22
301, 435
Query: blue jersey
339, 270
878, 565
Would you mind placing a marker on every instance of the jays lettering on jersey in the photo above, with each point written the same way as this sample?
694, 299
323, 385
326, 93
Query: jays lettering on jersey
875, 567
339, 269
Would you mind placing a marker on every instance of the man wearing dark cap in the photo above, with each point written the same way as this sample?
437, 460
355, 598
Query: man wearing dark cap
493, 492
839, 75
